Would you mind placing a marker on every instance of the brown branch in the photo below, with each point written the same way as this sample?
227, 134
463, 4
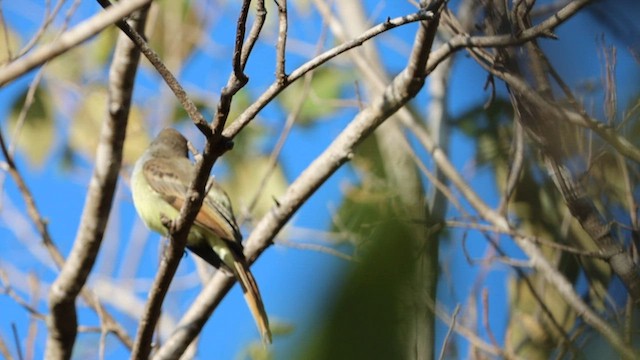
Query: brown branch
179, 228
49, 244
237, 80
168, 77
277, 87
403, 88
62, 323
281, 46
70, 39
538, 261
463, 40
254, 34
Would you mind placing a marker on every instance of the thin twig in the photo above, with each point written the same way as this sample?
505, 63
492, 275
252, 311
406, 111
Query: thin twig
69, 40
515, 169
8, 290
16, 338
189, 106
35, 83
281, 46
32, 332
471, 335
62, 322
400, 91
237, 79
485, 317
179, 228
317, 248
276, 88
447, 338
48, 19
252, 39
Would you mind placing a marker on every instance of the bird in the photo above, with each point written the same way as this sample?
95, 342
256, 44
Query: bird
159, 183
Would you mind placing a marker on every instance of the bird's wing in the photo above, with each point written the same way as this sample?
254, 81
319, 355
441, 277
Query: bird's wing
168, 180
172, 183
218, 204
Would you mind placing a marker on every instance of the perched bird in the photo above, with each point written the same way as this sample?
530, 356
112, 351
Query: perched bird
159, 184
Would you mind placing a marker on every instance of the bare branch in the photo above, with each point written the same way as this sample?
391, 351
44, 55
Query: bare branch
63, 319
216, 144
464, 41
163, 71
70, 39
404, 87
447, 338
275, 88
237, 79
8, 290
538, 261
281, 46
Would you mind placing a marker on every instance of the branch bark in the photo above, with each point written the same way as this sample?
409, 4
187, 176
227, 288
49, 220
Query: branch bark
402, 89
62, 322
70, 39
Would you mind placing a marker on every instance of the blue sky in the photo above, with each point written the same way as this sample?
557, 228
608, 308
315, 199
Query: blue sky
295, 284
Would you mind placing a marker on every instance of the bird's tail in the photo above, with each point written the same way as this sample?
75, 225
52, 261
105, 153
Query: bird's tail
253, 298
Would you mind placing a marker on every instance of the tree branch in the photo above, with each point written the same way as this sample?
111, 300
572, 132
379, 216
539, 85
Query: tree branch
180, 227
278, 86
62, 322
403, 88
70, 39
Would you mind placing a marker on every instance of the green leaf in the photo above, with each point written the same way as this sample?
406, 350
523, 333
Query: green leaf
87, 122
325, 87
244, 182
365, 317
35, 136
174, 28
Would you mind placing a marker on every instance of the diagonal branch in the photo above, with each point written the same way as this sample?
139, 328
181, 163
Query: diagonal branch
402, 89
171, 81
215, 145
538, 261
62, 323
279, 85
542, 119
70, 39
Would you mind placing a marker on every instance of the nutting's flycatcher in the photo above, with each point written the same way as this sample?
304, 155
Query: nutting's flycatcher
159, 184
